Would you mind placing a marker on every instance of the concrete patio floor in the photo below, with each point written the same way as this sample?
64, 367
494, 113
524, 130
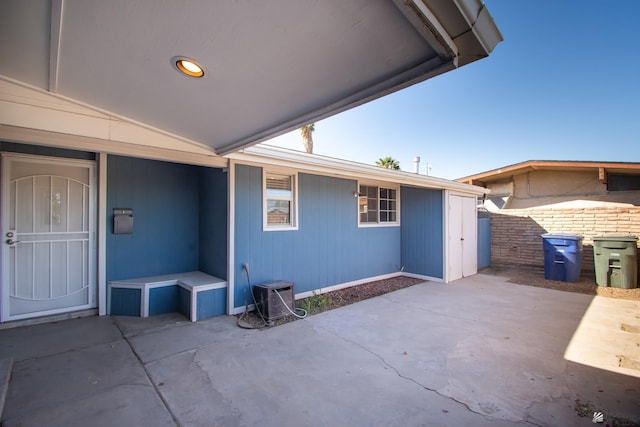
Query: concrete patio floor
479, 352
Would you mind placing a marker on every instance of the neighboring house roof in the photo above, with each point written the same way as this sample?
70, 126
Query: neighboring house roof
270, 67
262, 155
603, 168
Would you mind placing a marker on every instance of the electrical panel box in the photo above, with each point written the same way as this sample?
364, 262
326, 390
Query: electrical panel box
122, 221
270, 297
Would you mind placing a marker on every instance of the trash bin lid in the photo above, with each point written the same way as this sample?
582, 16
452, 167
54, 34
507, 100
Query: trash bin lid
566, 236
617, 238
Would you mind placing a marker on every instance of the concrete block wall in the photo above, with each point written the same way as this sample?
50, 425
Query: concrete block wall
515, 233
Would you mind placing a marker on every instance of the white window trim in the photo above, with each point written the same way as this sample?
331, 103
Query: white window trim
395, 223
294, 202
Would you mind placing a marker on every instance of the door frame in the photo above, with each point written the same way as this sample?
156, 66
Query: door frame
5, 157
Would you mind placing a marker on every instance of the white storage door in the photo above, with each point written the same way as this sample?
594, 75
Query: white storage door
462, 251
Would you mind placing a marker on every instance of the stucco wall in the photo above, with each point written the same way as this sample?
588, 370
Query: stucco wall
545, 187
515, 233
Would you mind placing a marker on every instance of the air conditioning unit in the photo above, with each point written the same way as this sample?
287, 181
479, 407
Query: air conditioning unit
270, 304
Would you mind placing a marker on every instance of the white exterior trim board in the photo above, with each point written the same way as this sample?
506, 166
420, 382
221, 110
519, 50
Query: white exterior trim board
421, 276
89, 144
307, 294
231, 230
28, 106
346, 285
102, 234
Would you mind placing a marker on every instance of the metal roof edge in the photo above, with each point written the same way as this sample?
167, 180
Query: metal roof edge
481, 23
549, 163
423, 71
282, 157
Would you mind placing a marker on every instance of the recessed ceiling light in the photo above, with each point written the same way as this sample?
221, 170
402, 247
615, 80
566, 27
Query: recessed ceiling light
187, 66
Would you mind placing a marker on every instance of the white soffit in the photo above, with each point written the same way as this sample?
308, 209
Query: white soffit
270, 66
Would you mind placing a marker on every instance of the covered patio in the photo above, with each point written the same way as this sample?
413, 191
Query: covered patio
478, 351
101, 90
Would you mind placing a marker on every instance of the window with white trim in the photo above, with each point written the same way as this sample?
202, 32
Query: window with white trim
378, 205
280, 209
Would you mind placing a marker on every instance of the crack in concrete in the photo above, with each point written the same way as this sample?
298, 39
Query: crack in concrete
148, 375
201, 368
528, 419
419, 384
231, 415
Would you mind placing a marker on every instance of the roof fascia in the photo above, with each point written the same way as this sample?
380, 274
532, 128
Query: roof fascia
421, 72
490, 173
478, 39
272, 156
429, 27
556, 164
481, 25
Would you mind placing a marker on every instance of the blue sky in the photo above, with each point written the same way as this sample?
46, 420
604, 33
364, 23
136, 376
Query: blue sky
563, 85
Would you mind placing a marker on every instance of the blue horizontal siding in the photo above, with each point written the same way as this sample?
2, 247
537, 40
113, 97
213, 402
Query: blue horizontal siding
327, 249
422, 231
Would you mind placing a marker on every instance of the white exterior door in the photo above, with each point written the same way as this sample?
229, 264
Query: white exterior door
48, 236
462, 246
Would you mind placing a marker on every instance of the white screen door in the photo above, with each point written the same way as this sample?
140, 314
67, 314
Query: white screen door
48, 243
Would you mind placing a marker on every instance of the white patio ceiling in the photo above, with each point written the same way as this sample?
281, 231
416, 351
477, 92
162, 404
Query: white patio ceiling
271, 66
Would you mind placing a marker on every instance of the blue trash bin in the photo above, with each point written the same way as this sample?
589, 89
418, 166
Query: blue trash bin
562, 256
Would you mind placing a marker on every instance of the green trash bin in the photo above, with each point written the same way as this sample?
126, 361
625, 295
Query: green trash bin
615, 259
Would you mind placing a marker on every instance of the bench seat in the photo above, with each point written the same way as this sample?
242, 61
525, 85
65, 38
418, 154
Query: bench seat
194, 294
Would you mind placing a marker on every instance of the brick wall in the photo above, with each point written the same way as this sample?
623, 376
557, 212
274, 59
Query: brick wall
515, 233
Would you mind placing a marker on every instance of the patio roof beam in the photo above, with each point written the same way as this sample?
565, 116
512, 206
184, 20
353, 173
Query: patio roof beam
57, 8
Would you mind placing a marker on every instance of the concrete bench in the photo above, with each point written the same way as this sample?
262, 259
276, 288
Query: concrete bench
194, 294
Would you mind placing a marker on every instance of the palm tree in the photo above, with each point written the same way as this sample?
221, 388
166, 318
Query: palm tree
389, 163
307, 140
